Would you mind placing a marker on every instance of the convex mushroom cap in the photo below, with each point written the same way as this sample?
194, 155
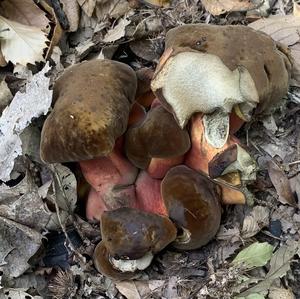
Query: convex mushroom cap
193, 204
92, 101
157, 136
130, 238
211, 69
130, 234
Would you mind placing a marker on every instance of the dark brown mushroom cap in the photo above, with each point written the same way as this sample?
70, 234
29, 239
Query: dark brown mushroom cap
103, 265
158, 136
237, 45
92, 104
130, 233
193, 205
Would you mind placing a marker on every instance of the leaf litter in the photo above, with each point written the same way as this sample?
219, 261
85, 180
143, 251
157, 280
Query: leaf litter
45, 198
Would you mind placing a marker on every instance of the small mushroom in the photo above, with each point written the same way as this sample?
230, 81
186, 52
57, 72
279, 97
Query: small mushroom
158, 136
193, 205
92, 103
132, 237
103, 263
215, 69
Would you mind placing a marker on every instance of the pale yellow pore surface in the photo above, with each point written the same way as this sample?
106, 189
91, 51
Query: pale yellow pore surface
199, 82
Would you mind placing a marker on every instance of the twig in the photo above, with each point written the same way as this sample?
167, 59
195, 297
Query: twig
69, 242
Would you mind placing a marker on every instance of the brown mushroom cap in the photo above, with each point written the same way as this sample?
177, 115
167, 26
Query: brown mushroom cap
266, 61
157, 136
103, 265
92, 104
130, 234
193, 205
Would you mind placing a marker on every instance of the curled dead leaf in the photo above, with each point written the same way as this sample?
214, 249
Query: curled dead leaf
253, 223
2, 60
21, 43
284, 29
218, 7
160, 3
25, 12
88, 6
72, 11
281, 184
296, 9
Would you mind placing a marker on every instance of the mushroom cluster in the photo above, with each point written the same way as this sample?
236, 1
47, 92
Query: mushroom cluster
160, 162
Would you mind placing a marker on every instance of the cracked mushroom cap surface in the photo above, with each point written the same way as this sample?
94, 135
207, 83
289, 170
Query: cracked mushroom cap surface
131, 234
158, 136
193, 205
92, 101
222, 66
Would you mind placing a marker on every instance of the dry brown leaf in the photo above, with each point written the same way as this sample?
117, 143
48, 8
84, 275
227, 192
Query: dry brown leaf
88, 6
112, 9
280, 293
72, 11
25, 12
253, 223
57, 31
128, 289
296, 9
160, 3
281, 184
117, 32
2, 60
5, 96
218, 7
284, 29
21, 43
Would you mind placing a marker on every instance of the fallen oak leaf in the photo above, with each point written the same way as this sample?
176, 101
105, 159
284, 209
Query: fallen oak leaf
2, 60
25, 12
18, 249
281, 293
21, 43
218, 7
296, 9
88, 6
281, 184
117, 32
253, 223
284, 29
17, 116
160, 3
18, 293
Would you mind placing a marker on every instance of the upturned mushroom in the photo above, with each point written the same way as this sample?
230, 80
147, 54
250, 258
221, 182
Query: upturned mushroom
130, 238
217, 69
193, 204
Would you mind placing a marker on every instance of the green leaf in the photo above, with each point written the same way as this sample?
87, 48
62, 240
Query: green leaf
279, 265
255, 255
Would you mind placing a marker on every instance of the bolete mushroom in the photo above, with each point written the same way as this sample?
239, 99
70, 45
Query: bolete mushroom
193, 205
231, 159
131, 238
215, 162
92, 101
215, 69
158, 136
